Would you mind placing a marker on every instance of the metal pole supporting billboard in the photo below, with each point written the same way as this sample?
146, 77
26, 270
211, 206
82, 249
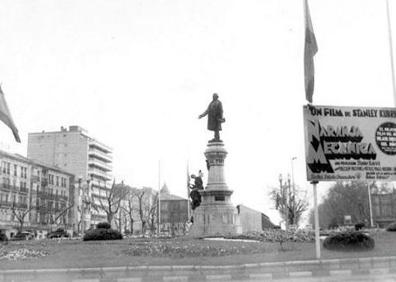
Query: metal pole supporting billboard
370, 205
317, 235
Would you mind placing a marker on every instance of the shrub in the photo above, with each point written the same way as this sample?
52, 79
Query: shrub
359, 226
104, 225
391, 227
349, 241
102, 234
3, 237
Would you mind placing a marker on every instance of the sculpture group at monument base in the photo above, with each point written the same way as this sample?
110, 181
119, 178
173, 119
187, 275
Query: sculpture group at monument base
215, 220
216, 216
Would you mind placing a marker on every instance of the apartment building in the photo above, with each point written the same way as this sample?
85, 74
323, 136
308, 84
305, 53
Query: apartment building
33, 194
73, 150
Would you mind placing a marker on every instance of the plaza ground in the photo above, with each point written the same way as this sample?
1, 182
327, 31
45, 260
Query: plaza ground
177, 251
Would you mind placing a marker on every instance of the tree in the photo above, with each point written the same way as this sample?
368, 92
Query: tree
344, 198
112, 201
152, 213
381, 188
59, 213
290, 205
129, 207
140, 195
20, 214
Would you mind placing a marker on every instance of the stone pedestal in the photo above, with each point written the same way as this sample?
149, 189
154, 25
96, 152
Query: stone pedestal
216, 216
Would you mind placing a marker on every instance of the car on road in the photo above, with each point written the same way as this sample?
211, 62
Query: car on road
58, 233
24, 235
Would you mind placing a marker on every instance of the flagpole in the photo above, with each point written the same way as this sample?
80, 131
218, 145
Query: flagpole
391, 52
159, 195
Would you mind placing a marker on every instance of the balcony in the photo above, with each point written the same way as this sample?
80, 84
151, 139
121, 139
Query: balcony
94, 162
35, 178
99, 174
93, 153
45, 195
5, 204
20, 205
101, 184
23, 190
5, 186
100, 146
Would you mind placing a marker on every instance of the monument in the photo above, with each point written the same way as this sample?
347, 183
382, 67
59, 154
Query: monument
216, 215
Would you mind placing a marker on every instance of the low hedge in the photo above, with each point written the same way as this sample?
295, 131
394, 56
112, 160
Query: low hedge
391, 227
102, 234
349, 241
3, 237
104, 225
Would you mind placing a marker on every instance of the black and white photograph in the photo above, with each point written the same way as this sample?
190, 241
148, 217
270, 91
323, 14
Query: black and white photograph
211, 140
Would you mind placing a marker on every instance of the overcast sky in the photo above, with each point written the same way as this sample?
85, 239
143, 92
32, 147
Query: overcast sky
136, 75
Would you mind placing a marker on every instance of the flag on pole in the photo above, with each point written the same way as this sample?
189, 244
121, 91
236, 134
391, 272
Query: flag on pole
5, 116
310, 50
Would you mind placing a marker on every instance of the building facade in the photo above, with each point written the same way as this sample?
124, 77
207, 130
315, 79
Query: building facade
33, 195
252, 220
173, 213
89, 160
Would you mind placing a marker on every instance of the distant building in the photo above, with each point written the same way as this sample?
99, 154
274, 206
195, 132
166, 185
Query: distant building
174, 212
40, 195
75, 151
252, 220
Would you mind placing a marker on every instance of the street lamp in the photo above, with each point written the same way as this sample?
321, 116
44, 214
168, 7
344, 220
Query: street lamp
292, 171
285, 198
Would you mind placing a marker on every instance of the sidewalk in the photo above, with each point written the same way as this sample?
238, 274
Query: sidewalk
341, 268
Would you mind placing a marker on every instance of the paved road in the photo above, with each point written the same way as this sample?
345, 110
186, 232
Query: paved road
354, 269
297, 277
355, 278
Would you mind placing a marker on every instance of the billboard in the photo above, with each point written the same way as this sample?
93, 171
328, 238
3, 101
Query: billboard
350, 143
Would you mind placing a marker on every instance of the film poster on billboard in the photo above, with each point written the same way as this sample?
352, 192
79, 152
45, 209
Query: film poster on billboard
350, 143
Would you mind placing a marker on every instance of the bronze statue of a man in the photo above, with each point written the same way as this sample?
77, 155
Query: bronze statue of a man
215, 117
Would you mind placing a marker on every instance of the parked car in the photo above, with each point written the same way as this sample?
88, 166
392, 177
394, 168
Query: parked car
58, 233
24, 235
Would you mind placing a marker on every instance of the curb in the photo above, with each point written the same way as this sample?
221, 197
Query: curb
253, 271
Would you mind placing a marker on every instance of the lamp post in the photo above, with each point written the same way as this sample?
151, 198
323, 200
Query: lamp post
284, 193
294, 188
292, 171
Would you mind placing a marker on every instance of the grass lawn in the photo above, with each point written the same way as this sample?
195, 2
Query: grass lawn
178, 251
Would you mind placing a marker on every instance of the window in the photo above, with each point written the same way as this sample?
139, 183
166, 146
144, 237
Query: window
24, 172
15, 169
8, 168
219, 198
57, 181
